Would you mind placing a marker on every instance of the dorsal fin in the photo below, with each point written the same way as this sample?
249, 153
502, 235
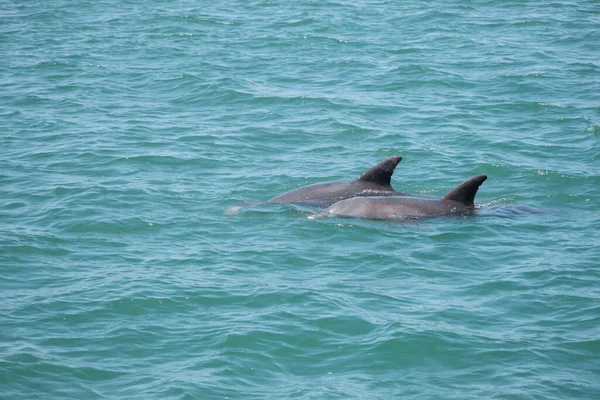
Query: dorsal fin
466, 191
381, 173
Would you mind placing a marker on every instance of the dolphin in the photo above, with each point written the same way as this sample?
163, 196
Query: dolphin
457, 201
373, 182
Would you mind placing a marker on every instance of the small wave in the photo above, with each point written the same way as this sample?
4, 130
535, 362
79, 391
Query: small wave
500, 201
235, 210
52, 64
510, 210
543, 104
317, 215
594, 129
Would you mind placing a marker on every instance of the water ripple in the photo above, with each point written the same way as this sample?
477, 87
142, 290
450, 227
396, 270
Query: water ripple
128, 131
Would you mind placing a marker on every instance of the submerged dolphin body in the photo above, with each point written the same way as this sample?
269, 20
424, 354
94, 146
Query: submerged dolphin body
374, 182
459, 200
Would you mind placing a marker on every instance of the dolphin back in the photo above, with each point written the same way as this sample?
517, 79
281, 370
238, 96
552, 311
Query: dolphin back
374, 180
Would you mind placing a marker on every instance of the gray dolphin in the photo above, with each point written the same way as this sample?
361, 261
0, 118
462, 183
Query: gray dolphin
457, 201
374, 182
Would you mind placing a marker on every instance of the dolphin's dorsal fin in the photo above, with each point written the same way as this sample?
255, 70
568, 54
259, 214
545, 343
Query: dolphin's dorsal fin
381, 173
466, 191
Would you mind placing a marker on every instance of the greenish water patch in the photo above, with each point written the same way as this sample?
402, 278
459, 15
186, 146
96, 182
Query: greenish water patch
132, 136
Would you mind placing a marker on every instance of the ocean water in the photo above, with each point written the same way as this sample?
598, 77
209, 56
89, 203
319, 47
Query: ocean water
131, 133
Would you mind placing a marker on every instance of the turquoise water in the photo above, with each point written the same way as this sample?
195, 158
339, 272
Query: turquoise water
131, 133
